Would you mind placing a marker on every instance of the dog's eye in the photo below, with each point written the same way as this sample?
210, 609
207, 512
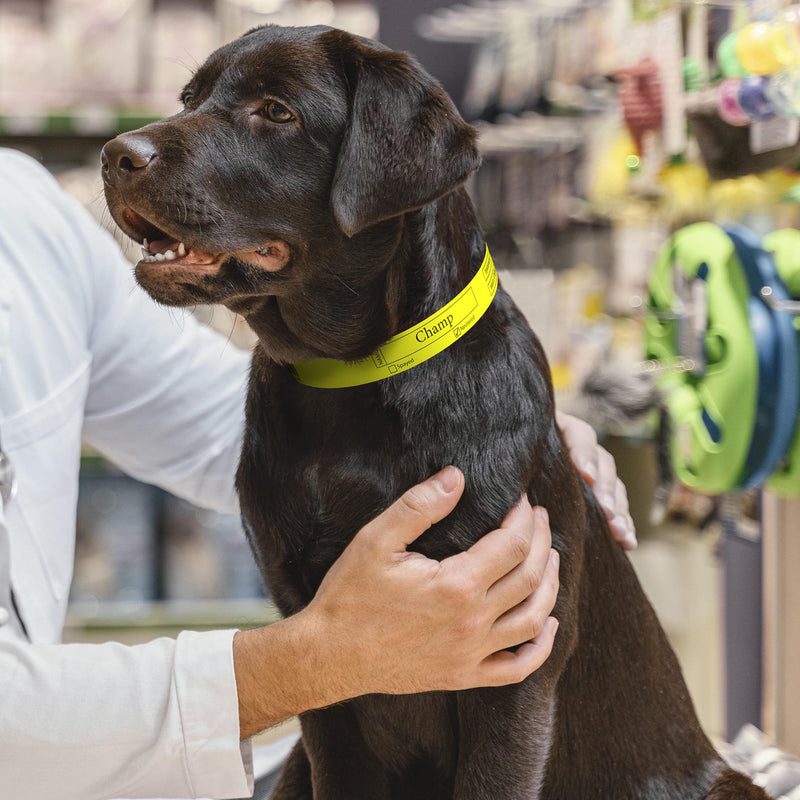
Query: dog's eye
186, 98
276, 112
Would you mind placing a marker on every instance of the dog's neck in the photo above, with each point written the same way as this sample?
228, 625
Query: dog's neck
445, 247
365, 289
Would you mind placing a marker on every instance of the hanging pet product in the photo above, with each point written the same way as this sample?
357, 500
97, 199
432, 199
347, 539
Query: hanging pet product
718, 299
785, 248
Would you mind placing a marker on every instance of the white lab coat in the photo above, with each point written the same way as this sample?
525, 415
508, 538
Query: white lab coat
84, 352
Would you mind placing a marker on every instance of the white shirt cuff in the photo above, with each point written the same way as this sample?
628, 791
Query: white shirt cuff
217, 764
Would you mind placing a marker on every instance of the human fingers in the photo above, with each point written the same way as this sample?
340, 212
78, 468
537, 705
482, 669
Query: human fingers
604, 487
613, 498
507, 667
518, 584
415, 511
622, 523
527, 620
581, 441
500, 551
599, 469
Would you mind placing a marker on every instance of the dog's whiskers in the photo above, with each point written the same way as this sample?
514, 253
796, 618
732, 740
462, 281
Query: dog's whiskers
233, 328
344, 283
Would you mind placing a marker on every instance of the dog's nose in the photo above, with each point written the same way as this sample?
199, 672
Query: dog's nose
127, 154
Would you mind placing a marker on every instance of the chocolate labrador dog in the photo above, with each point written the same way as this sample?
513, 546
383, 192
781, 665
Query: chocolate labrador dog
313, 182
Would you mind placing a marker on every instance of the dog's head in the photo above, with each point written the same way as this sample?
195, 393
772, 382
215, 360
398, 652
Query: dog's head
294, 146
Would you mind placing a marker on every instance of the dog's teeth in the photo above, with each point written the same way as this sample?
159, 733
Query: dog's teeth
181, 250
160, 257
170, 255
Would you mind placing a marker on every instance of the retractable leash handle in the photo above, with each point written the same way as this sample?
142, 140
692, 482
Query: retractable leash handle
734, 416
713, 407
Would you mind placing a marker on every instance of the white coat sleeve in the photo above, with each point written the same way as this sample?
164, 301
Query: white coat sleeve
105, 720
101, 721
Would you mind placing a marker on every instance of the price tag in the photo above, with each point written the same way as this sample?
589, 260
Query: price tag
774, 134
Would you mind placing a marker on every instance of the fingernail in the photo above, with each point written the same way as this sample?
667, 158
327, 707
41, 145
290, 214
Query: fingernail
621, 525
590, 471
607, 502
555, 625
554, 558
448, 479
541, 515
630, 541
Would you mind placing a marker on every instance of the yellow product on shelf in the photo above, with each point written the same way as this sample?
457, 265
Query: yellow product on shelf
610, 181
685, 186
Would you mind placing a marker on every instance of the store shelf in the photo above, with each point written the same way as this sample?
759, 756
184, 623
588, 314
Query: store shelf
84, 122
64, 139
87, 621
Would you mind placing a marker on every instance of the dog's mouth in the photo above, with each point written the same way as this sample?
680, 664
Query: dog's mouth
159, 247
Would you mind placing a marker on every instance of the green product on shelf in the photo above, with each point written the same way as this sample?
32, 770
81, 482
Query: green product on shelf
720, 307
712, 406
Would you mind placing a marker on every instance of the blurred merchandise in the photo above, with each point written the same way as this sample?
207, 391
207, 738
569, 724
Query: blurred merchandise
170, 58
116, 541
24, 57
641, 99
206, 555
76, 65
96, 52
137, 544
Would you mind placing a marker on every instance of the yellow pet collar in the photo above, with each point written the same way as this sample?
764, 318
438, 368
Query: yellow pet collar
412, 346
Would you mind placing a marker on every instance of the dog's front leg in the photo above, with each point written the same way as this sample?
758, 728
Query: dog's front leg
342, 766
505, 737
295, 780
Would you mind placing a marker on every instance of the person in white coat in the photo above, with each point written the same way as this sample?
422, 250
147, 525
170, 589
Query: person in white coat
87, 356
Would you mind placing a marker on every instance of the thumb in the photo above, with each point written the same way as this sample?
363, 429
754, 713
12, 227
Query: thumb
416, 510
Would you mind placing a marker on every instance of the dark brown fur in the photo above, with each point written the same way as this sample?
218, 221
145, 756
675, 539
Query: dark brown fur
364, 189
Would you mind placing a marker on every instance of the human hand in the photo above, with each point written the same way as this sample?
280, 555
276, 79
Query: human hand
597, 465
397, 622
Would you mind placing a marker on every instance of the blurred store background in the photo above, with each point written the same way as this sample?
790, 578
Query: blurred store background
606, 126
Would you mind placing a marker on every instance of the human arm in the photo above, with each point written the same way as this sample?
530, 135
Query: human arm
87, 722
98, 721
597, 466
393, 621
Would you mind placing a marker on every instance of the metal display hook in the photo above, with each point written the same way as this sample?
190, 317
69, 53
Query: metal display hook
641, 309
789, 306
654, 367
674, 314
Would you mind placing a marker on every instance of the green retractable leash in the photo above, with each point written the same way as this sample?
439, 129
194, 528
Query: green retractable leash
721, 301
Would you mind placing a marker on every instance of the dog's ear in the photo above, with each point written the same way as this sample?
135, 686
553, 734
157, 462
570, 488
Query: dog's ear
405, 145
